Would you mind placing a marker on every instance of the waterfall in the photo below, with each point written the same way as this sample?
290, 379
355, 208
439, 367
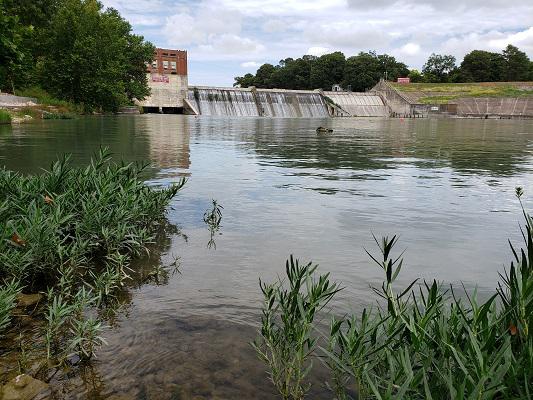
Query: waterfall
228, 102
261, 102
291, 104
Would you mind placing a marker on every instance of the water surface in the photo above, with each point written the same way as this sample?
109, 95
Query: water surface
445, 186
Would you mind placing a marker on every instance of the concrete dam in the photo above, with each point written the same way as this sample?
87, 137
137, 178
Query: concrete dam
251, 102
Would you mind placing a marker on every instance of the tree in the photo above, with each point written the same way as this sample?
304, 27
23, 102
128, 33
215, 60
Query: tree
263, 76
482, 66
12, 52
244, 81
391, 69
92, 58
327, 70
415, 76
438, 67
362, 72
516, 64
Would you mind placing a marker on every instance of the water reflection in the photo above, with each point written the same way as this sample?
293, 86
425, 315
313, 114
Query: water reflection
445, 186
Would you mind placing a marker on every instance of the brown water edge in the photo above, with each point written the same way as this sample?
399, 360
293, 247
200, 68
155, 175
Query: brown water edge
149, 355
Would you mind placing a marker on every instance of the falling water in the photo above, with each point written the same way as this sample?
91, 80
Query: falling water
230, 102
248, 103
291, 104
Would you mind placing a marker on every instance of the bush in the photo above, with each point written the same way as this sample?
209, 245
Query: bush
5, 117
75, 218
423, 342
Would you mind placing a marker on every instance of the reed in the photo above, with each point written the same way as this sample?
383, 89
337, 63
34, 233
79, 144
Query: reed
427, 342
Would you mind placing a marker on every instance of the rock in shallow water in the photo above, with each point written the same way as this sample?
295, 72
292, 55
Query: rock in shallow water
23, 387
27, 300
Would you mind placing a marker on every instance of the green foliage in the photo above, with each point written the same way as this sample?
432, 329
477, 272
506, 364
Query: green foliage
13, 54
286, 342
44, 98
213, 218
438, 68
244, 81
5, 117
327, 70
424, 342
482, 66
76, 217
516, 64
8, 297
415, 76
92, 58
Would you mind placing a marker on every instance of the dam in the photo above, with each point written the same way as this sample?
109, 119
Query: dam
252, 102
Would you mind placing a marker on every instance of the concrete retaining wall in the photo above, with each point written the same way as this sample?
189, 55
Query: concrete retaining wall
9, 101
167, 91
510, 107
359, 104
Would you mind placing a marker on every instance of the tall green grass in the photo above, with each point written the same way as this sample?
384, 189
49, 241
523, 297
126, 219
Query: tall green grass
424, 341
5, 117
71, 232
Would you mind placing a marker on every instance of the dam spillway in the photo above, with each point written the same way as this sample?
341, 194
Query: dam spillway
251, 102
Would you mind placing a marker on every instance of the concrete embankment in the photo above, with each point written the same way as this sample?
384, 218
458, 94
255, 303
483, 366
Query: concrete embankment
458, 100
353, 104
11, 101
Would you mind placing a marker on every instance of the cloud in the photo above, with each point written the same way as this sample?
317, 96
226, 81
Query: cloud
410, 49
250, 64
228, 45
275, 26
317, 51
226, 34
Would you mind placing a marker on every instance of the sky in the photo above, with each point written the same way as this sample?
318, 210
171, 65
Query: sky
228, 38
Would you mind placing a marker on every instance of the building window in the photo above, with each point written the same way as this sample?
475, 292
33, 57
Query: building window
173, 64
154, 64
165, 64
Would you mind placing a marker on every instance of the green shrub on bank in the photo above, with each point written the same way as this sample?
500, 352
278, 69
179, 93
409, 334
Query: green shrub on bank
46, 99
5, 117
422, 342
72, 233
75, 217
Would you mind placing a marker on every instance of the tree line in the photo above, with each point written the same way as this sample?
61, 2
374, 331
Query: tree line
74, 49
363, 71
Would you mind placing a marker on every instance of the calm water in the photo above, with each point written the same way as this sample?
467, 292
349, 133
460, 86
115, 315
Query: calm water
445, 186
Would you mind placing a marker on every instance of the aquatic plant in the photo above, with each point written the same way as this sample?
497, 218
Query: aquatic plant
213, 218
8, 301
5, 117
286, 343
426, 342
72, 233
75, 218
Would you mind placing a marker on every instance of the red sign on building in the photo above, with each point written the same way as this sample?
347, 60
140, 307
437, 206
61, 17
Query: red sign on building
404, 80
160, 78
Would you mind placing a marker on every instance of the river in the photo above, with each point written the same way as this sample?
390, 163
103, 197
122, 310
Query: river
446, 186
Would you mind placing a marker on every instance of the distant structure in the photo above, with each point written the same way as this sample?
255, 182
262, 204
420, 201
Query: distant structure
168, 82
337, 88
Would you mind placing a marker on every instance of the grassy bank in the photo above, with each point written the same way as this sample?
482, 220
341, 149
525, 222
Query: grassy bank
438, 93
70, 234
423, 341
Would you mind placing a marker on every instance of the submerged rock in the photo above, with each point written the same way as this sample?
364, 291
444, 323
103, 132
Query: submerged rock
321, 129
27, 300
23, 387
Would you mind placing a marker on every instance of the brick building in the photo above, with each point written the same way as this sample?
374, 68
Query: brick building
168, 82
166, 61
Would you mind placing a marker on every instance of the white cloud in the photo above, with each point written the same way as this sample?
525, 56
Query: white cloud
275, 26
317, 51
250, 64
410, 49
